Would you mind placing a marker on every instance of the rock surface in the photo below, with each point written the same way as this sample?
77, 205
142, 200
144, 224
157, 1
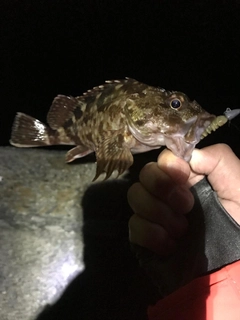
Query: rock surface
40, 228
64, 240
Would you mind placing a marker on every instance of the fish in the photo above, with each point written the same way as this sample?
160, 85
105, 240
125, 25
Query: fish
116, 120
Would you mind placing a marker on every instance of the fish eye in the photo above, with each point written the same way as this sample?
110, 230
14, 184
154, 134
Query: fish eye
175, 104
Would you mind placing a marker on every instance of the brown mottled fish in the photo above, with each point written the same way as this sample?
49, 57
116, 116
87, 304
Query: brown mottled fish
117, 119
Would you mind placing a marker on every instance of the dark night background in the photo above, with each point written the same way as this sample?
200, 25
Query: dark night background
67, 47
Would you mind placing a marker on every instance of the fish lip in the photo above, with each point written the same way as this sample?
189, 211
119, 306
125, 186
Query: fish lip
182, 145
195, 131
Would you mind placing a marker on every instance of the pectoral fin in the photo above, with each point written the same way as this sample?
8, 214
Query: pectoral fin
112, 155
77, 152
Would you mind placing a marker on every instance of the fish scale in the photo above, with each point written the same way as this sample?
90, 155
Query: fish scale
117, 119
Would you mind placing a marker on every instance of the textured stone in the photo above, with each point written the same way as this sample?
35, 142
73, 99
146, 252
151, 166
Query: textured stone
49, 212
40, 227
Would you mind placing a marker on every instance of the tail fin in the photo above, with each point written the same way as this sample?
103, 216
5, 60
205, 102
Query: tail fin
29, 132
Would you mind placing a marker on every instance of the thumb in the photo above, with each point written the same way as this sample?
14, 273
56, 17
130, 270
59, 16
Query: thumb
222, 168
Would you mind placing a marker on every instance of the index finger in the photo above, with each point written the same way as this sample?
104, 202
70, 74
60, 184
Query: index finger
170, 190
176, 168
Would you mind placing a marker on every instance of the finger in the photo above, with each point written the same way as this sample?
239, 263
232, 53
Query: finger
150, 235
154, 210
159, 184
175, 167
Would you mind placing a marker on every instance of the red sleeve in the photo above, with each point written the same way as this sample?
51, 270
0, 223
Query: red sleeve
212, 297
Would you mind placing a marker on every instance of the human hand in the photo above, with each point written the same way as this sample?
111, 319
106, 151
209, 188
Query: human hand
162, 197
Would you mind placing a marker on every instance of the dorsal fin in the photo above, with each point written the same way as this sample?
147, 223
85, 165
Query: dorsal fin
109, 84
105, 93
61, 110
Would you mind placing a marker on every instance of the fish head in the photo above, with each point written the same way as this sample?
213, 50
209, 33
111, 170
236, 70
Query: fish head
167, 118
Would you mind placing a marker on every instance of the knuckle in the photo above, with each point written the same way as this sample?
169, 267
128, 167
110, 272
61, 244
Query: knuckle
223, 147
132, 193
132, 221
145, 170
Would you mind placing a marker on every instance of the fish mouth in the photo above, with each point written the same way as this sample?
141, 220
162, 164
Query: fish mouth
182, 144
198, 127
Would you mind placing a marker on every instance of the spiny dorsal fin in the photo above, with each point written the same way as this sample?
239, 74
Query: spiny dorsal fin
61, 111
107, 92
65, 108
109, 84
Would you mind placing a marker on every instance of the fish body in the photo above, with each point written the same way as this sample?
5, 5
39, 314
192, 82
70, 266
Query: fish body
115, 120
